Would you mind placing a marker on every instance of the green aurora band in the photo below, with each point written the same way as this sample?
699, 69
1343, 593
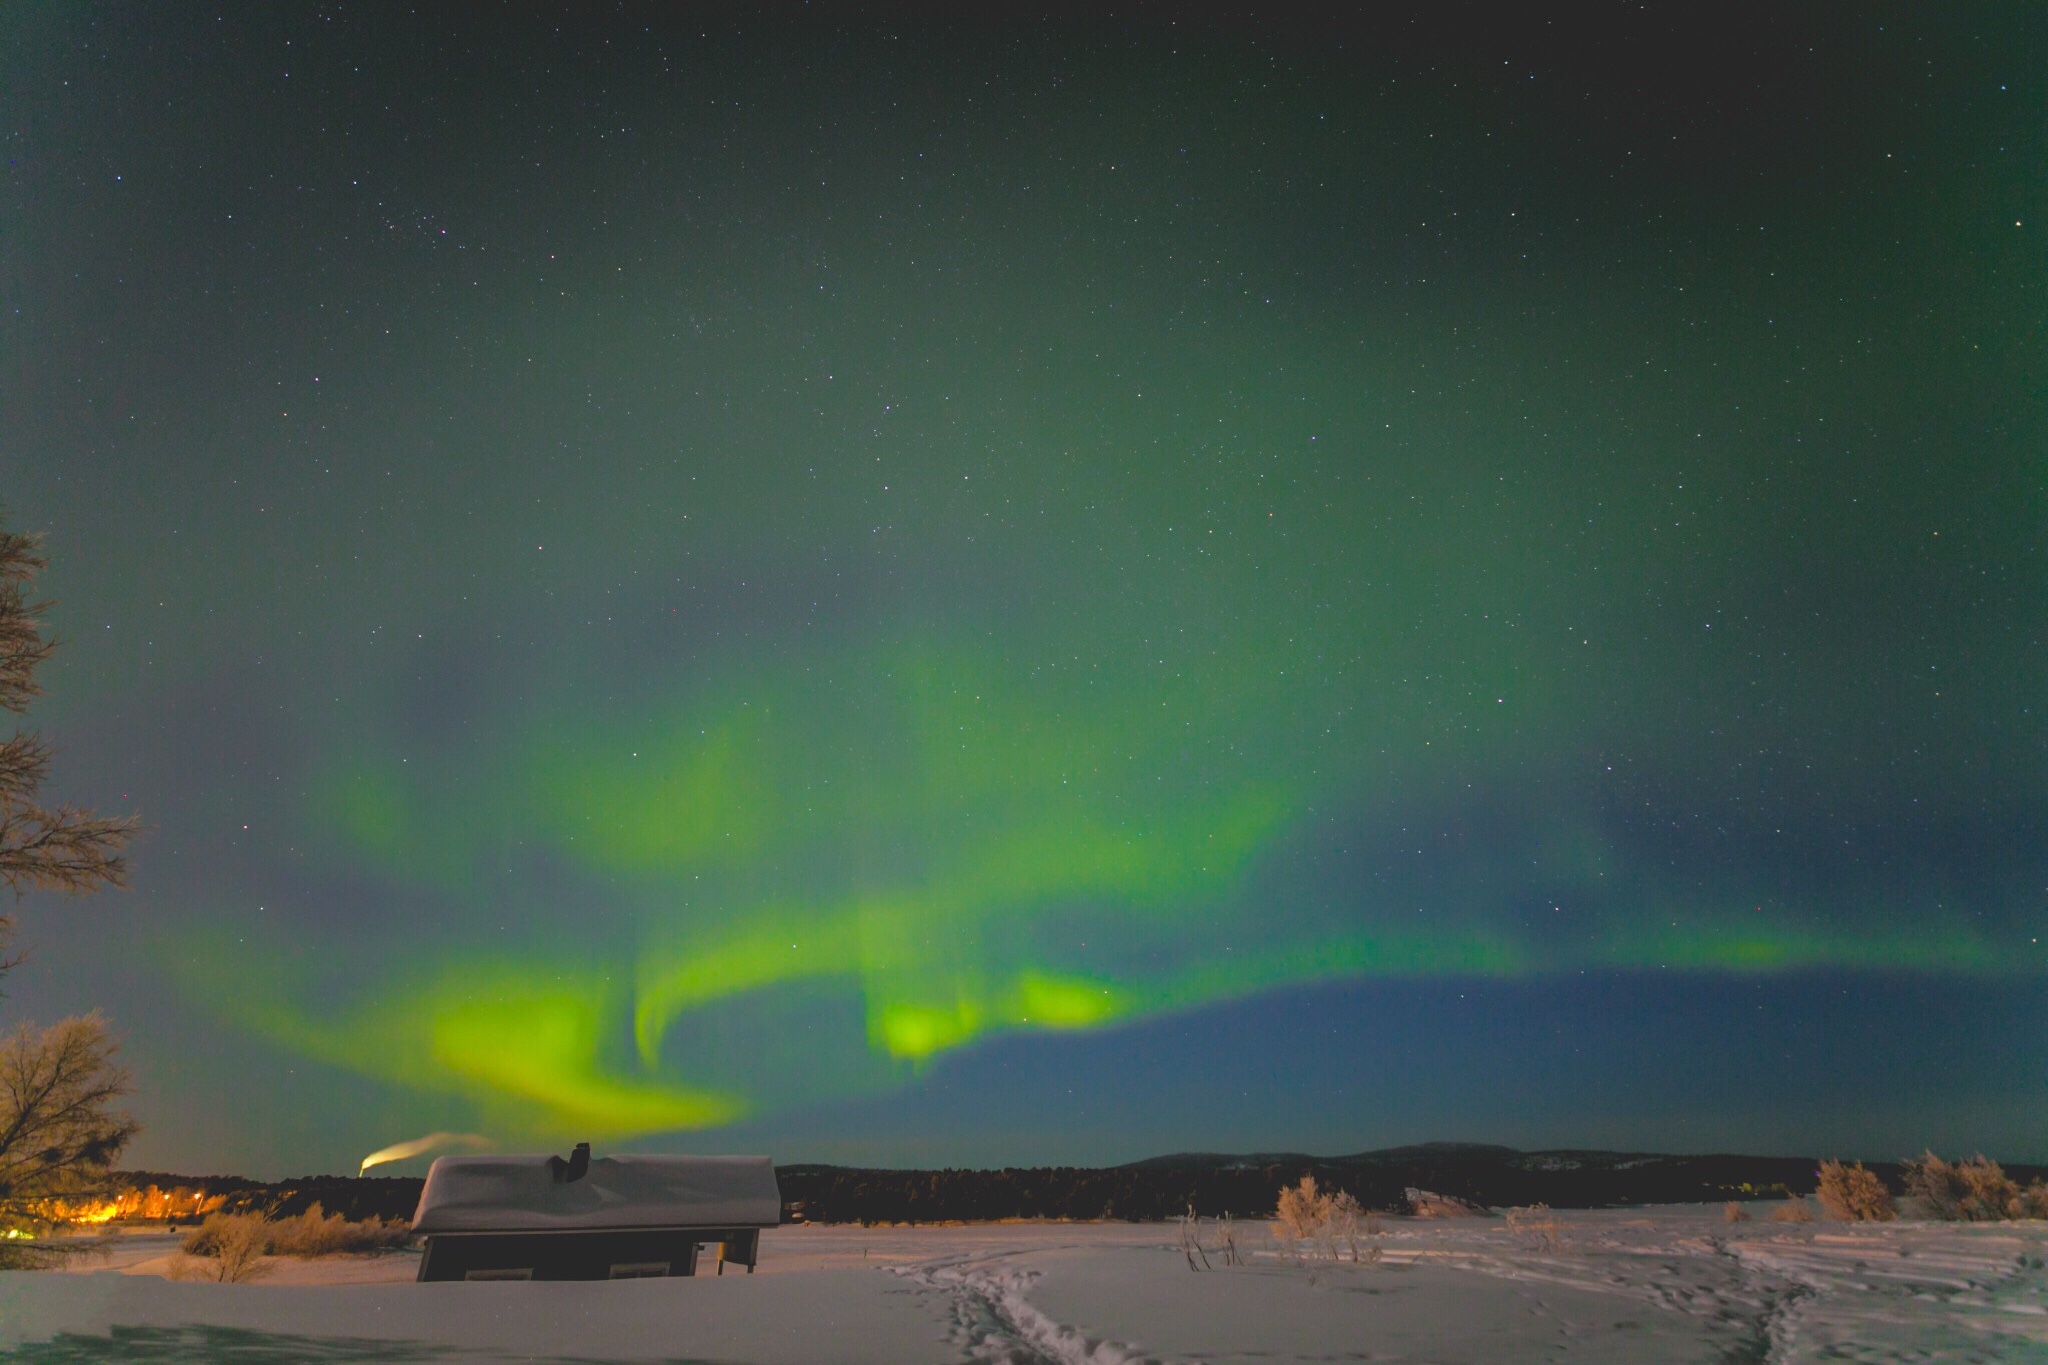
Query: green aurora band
660, 583
945, 851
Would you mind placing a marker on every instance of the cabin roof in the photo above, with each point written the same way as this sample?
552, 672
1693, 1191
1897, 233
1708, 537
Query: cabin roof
521, 1194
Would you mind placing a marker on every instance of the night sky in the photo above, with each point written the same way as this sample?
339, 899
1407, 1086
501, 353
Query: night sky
1047, 589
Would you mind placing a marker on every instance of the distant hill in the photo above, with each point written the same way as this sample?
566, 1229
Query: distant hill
1244, 1184
1385, 1156
1247, 1184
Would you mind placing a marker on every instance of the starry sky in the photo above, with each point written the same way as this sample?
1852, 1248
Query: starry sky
1047, 588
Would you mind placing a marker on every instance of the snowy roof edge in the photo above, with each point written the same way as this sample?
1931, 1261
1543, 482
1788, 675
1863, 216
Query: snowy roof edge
526, 1193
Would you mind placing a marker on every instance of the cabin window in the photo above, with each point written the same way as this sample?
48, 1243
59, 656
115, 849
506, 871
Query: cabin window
640, 1270
500, 1273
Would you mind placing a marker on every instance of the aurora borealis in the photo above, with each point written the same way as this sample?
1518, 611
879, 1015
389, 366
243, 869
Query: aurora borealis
868, 587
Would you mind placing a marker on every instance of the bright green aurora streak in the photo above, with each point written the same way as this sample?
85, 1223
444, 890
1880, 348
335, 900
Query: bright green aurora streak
958, 851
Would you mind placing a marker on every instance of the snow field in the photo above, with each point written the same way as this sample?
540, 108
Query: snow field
1640, 1286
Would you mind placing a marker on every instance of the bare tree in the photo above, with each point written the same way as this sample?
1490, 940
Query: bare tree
59, 1131
63, 847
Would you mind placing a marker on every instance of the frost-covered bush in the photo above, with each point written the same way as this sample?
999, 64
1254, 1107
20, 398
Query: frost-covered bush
1974, 1191
1851, 1194
313, 1233
234, 1243
1299, 1212
1795, 1209
1310, 1222
1538, 1225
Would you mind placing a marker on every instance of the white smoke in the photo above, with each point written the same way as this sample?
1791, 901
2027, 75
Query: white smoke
399, 1151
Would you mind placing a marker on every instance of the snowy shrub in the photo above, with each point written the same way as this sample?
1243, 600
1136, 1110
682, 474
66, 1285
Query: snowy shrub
236, 1242
1299, 1212
1734, 1212
205, 1239
1191, 1240
1973, 1191
315, 1234
1226, 1234
1851, 1194
233, 1242
1309, 1222
1344, 1222
1537, 1225
1795, 1209
1991, 1193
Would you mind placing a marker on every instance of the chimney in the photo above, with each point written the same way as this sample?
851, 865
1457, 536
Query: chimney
572, 1170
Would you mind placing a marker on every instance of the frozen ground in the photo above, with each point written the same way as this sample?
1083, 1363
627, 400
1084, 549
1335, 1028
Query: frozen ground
1639, 1286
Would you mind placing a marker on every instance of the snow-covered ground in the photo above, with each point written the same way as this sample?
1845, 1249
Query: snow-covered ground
1640, 1286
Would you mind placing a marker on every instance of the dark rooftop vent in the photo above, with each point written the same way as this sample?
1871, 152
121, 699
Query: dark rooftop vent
574, 1169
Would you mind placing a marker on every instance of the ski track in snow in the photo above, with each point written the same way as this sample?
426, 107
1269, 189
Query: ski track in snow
995, 1322
1963, 1294
1781, 1295
1875, 1292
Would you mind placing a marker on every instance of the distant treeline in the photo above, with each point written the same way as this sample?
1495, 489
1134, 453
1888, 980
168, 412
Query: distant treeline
1249, 1186
1164, 1187
1155, 1190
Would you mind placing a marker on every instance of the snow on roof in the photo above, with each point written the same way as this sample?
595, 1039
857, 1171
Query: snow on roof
521, 1194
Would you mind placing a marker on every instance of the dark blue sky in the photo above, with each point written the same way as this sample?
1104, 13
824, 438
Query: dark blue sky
1047, 588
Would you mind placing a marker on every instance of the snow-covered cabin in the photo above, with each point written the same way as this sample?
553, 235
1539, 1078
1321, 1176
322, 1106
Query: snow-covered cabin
614, 1217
